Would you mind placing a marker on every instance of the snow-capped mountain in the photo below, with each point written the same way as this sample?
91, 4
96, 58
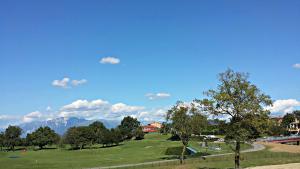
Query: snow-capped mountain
61, 125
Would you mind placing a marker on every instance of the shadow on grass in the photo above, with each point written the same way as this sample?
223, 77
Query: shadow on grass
94, 147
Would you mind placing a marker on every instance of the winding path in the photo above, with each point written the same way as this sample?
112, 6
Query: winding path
255, 147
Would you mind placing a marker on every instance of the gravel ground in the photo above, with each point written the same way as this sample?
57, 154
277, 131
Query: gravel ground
276, 147
283, 166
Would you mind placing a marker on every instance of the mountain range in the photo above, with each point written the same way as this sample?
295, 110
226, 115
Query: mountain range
61, 125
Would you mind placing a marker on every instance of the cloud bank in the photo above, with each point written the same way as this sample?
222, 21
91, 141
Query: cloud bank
281, 107
89, 109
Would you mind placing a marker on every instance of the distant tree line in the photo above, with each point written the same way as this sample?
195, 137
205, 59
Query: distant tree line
76, 137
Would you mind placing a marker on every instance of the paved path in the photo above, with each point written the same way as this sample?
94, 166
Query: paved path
255, 147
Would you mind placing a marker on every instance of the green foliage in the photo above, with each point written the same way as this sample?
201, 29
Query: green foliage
139, 134
97, 129
78, 137
12, 136
128, 127
275, 129
244, 103
43, 136
287, 119
96, 133
184, 120
2, 140
199, 123
166, 128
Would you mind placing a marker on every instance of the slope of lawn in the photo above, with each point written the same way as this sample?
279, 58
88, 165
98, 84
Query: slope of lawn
152, 148
224, 148
260, 158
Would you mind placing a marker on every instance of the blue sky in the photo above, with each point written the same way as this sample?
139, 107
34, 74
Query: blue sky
169, 50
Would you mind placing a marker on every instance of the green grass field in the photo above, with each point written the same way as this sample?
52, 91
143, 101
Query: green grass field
152, 148
224, 147
260, 158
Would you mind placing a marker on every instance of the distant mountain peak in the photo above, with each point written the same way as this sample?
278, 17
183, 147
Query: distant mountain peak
60, 125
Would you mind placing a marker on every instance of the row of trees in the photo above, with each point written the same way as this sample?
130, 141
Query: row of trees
236, 99
77, 137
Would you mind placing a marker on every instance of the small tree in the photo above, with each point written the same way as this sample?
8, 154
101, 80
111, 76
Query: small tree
128, 127
139, 134
199, 123
243, 103
12, 136
181, 117
166, 128
43, 136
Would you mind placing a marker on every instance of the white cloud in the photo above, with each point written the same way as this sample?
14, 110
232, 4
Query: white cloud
158, 114
297, 65
97, 109
85, 105
110, 60
121, 107
61, 83
155, 96
64, 83
36, 115
89, 109
284, 106
78, 82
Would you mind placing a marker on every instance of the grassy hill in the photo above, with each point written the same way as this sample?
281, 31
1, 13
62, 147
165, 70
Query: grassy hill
152, 148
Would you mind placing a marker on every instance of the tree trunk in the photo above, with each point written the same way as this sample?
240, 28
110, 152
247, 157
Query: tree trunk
237, 155
182, 154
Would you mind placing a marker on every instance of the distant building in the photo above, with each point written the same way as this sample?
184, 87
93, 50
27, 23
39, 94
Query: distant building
294, 127
156, 124
149, 129
152, 127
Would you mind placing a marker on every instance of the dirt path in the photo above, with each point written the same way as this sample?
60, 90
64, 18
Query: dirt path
283, 166
276, 147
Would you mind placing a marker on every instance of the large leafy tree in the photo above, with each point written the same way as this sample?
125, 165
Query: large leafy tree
244, 104
78, 137
12, 136
43, 136
182, 118
128, 127
97, 131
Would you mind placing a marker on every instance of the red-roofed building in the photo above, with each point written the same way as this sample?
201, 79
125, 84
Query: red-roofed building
149, 129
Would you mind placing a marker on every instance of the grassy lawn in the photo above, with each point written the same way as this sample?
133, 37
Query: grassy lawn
252, 159
210, 150
152, 148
